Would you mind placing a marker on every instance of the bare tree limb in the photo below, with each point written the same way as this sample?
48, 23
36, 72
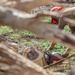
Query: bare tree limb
70, 21
21, 20
68, 11
14, 64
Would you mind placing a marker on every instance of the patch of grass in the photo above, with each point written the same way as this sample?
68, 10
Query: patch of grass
26, 33
14, 36
59, 48
27, 43
5, 29
47, 20
67, 29
44, 44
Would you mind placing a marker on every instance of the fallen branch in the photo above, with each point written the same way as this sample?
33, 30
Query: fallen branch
13, 63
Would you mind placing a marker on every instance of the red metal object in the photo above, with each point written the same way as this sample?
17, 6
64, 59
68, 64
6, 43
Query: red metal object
55, 9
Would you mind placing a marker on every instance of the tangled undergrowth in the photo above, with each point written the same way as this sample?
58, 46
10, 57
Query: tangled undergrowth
25, 39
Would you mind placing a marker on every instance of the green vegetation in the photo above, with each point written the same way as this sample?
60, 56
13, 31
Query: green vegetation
27, 43
26, 33
44, 44
67, 29
47, 20
5, 29
59, 48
